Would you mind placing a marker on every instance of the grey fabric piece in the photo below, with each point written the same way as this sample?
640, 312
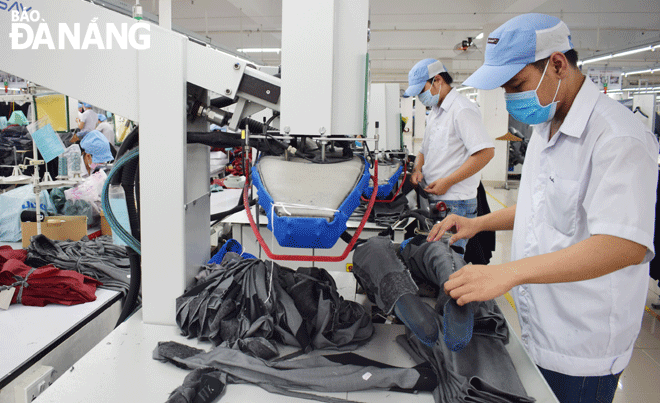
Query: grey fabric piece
317, 373
245, 303
380, 272
482, 372
99, 259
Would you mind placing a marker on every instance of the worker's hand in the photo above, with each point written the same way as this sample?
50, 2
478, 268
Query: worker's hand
479, 283
416, 177
438, 187
462, 227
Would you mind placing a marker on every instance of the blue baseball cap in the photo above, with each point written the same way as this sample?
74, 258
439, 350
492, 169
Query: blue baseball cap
515, 44
97, 145
102, 117
423, 71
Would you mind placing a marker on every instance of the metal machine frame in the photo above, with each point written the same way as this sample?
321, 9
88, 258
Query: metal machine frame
175, 237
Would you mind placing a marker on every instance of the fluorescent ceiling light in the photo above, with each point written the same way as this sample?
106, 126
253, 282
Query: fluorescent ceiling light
596, 59
464, 88
639, 72
632, 52
259, 50
481, 35
619, 54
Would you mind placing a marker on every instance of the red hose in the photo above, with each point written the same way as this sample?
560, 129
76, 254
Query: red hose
302, 258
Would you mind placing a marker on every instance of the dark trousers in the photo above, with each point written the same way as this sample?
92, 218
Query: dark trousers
582, 389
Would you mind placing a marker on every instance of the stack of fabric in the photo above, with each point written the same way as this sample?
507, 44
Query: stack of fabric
44, 285
98, 258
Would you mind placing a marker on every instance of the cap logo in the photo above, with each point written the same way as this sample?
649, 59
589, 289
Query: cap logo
493, 40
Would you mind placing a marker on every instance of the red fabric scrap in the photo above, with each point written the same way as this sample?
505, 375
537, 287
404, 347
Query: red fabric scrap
46, 284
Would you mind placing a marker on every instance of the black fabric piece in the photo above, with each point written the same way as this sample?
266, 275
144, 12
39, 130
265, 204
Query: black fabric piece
170, 349
480, 248
203, 385
247, 303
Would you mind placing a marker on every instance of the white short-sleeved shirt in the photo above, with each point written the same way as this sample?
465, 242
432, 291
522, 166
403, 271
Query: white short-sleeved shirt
90, 118
454, 131
106, 129
597, 175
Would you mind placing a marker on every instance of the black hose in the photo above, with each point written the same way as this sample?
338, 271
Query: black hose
420, 215
254, 125
130, 182
134, 287
222, 102
130, 142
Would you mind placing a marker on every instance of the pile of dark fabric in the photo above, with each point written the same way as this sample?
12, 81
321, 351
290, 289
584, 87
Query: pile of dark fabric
247, 303
43, 285
98, 258
12, 139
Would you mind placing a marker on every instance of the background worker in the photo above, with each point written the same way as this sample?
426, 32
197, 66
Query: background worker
583, 224
96, 150
106, 128
456, 145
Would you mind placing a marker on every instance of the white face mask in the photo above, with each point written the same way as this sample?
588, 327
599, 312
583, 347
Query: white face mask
427, 98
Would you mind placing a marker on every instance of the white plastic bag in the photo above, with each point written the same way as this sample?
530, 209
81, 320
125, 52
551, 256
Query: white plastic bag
11, 205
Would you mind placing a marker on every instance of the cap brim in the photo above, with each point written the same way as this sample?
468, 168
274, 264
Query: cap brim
414, 90
490, 77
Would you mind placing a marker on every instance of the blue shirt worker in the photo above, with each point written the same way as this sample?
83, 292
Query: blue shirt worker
584, 221
456, 144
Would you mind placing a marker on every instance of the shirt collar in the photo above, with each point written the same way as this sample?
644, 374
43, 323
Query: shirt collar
449, 99
580, 112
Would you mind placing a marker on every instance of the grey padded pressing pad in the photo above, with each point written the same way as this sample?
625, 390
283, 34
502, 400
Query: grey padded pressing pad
299, 181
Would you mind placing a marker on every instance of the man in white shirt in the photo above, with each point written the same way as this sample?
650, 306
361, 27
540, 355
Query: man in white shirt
456, 145
106, 128
88, 119
584, 222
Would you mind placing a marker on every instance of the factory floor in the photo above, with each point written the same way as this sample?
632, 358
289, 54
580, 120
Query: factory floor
639, 381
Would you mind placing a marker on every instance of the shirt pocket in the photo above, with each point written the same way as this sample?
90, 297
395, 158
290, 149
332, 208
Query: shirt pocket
439, 139
562, 204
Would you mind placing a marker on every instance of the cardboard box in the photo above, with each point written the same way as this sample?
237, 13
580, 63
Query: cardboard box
105, 226
58, 228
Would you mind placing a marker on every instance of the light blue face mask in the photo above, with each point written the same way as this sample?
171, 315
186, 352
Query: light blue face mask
427, 99
525, 106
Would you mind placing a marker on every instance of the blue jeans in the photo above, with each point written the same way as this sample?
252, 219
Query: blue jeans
465, 208
582, 389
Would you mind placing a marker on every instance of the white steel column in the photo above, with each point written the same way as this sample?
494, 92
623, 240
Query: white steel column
307, 64
162, 95
165, 13
350, 52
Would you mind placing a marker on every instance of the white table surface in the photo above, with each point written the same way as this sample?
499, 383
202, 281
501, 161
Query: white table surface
121, 368
26, 331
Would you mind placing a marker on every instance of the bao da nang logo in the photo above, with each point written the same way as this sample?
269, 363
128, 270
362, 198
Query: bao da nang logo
30, 31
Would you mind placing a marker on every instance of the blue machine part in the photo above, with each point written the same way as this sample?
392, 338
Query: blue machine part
386, 189
309, 232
